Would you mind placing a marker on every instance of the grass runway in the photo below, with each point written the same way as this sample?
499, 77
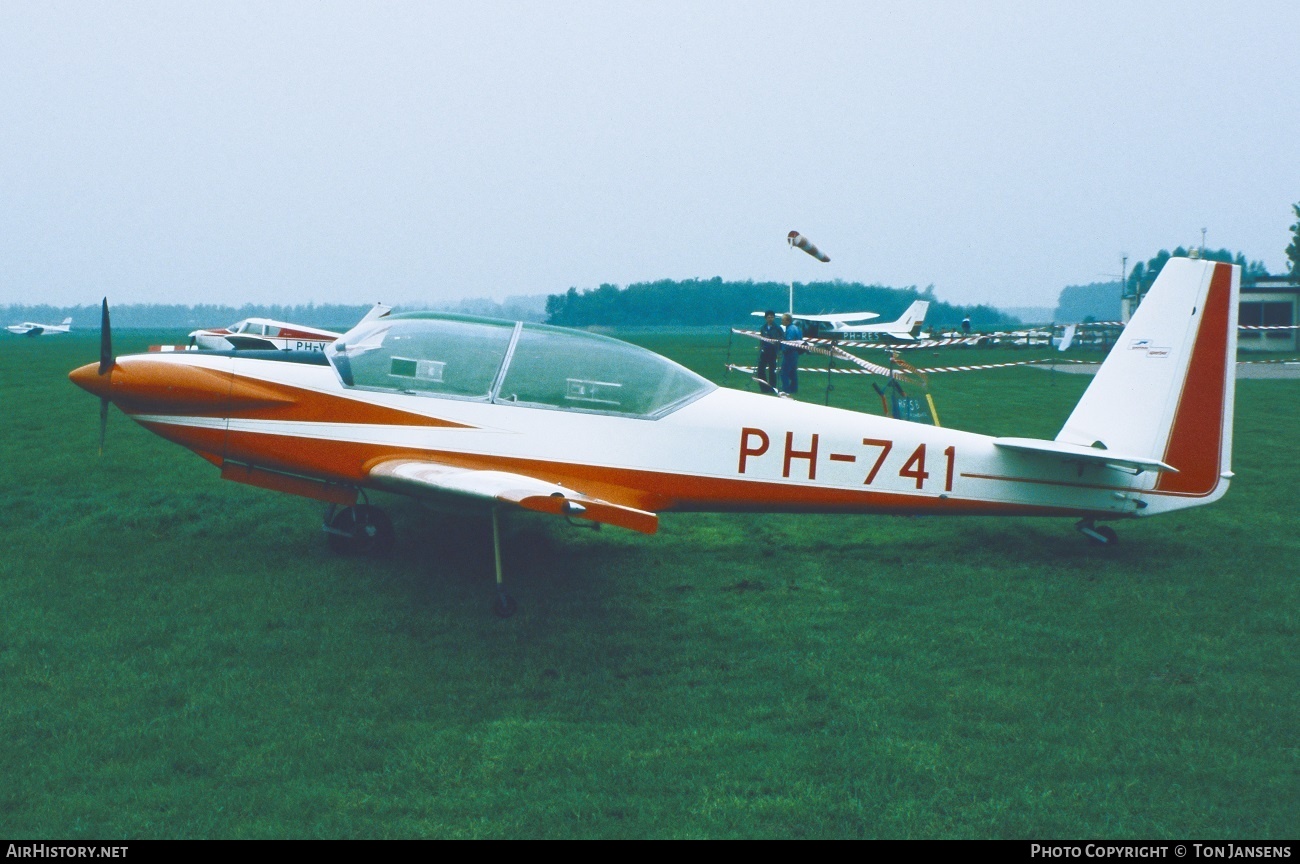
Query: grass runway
182, 657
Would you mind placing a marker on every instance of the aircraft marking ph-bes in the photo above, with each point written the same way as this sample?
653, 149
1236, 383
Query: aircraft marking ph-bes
507, 415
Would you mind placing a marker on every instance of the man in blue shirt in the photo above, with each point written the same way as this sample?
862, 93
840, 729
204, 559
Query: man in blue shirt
790, 356
769, 349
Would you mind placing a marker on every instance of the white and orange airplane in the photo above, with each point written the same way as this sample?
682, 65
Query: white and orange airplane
261, 334
581, 426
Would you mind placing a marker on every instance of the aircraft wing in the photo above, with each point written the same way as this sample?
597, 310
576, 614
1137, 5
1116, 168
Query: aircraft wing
431, 479
248, 343
846, 318
1080, 453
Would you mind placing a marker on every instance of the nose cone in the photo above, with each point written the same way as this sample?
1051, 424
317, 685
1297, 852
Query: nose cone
88, 378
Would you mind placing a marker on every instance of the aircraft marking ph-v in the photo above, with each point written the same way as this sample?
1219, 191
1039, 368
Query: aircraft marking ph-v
506, 415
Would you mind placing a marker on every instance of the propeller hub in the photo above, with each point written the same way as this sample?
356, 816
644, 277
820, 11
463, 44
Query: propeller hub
88, 378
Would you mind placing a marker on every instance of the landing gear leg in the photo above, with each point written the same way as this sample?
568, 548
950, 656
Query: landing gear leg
504, 605
1102, 535
359, 530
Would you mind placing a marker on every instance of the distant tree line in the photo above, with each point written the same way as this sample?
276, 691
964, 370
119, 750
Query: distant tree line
1096, 301
716, 302
329, 315
1293, 251
1144, 275
332, 316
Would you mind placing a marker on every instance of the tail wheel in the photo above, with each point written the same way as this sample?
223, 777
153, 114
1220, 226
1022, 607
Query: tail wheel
361, 530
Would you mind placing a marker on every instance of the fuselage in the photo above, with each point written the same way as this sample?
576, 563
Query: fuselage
725, 450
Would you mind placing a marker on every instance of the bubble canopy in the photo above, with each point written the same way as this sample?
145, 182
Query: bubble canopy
488, 360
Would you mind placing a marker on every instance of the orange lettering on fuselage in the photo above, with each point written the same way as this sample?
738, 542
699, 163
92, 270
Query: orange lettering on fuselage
746, 451
810, 454
756, 442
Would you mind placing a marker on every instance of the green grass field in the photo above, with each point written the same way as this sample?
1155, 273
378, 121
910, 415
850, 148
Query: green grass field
181, 657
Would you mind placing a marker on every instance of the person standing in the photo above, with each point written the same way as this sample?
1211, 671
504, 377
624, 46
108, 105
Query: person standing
790, 356
772, 334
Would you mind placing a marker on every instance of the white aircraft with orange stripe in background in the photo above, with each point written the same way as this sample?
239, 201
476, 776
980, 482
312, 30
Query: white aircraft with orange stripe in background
506, 415
259, 334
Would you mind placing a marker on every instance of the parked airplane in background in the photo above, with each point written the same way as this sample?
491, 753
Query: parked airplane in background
27, 328
906, 329
265, 333
503, 415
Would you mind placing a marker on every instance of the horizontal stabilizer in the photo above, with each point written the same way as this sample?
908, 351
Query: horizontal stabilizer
1080, 453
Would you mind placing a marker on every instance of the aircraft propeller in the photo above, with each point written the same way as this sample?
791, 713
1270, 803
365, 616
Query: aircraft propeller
106, 361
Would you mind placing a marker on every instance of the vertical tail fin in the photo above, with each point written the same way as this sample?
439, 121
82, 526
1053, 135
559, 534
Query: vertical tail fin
1166, 389
909, 325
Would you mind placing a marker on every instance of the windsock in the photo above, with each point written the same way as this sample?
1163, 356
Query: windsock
794, 238
1067, 337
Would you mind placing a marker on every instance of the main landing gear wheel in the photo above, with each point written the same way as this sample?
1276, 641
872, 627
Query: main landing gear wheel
360, 530
1102, 535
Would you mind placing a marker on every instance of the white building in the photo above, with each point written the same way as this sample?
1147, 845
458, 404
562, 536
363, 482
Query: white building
1271, 302
1268, 302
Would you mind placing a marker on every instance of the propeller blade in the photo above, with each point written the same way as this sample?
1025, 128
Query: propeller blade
103, 423
105, 345
106, 361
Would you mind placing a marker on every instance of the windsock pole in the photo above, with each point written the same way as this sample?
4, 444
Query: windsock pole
792, 283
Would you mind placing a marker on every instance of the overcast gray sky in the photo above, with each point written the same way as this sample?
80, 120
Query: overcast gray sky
420, 152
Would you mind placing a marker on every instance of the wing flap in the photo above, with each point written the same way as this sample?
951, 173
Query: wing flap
1080, 453
414, 477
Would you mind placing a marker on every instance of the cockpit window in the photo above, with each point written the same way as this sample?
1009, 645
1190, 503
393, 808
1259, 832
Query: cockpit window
582, 371
445, 356
529, 364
